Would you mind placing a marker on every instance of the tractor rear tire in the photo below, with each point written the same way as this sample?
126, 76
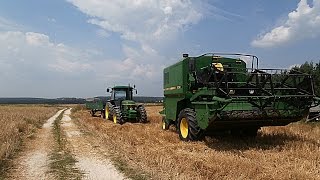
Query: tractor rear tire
142, 114
92, 113
108, 111
117, 116
188, 126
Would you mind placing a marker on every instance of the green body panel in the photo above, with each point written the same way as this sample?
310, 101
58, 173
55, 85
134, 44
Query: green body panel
176, 82
233, 95
128, 103
128, 109
170, 105
132, 114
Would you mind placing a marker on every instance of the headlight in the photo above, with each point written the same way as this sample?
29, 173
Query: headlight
232, 92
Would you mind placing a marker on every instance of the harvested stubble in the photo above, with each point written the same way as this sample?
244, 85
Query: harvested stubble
290, 152
19, 122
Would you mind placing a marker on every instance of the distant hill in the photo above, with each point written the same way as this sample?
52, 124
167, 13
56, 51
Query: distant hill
141, 99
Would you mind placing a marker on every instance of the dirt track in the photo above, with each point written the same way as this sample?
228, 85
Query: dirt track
34, 161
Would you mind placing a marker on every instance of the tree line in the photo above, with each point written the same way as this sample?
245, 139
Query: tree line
313, 69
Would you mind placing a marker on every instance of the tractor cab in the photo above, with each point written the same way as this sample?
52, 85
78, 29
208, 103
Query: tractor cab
120, 94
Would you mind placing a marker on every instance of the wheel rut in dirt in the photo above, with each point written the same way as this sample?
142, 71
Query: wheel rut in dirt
91, 160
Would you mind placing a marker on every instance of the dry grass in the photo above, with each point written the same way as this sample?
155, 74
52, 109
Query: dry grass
18, 122
291, 152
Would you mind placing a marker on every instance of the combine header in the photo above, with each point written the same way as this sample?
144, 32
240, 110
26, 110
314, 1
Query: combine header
217, 92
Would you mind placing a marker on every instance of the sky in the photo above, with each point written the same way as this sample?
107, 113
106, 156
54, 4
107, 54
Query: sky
78, 48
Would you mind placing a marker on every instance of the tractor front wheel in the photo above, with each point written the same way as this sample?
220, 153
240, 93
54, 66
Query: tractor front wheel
142, 114
117, 116
188, 125
108, 110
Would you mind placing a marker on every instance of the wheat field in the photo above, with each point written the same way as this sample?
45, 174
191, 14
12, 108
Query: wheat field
19, 122
290, 152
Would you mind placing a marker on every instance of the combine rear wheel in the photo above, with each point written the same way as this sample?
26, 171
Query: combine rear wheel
142, 114
117, 116
108, 110
188, 126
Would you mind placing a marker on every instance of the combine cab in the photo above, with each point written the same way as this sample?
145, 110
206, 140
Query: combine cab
217, 92
122, 108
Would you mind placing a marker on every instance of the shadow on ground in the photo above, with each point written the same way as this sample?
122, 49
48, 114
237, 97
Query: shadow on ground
261, 142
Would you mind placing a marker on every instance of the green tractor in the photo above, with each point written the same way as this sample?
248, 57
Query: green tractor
216, 92
121, 107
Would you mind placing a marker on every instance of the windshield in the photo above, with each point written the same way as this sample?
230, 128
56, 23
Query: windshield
122, 94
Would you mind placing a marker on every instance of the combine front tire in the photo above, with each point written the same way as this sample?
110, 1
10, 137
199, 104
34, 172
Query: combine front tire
117, 116
165, 125
188, 126
142, 114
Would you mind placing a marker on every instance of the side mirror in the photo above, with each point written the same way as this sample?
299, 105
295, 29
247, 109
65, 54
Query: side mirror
108, 90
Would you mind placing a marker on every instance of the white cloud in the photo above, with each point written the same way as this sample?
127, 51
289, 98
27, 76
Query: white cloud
102, 33
150, 25
53, 20
6, 24
31, 65
34, 50
32, 58
37, 39
141, 20
303, 23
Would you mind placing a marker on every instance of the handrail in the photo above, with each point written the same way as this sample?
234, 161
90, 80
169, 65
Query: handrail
235, 54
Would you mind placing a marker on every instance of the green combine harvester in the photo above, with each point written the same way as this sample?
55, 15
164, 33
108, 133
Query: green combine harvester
216, 92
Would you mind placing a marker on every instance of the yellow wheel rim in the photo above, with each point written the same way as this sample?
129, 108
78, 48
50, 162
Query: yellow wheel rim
163, 125
184, 127
115, 118
107, 113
